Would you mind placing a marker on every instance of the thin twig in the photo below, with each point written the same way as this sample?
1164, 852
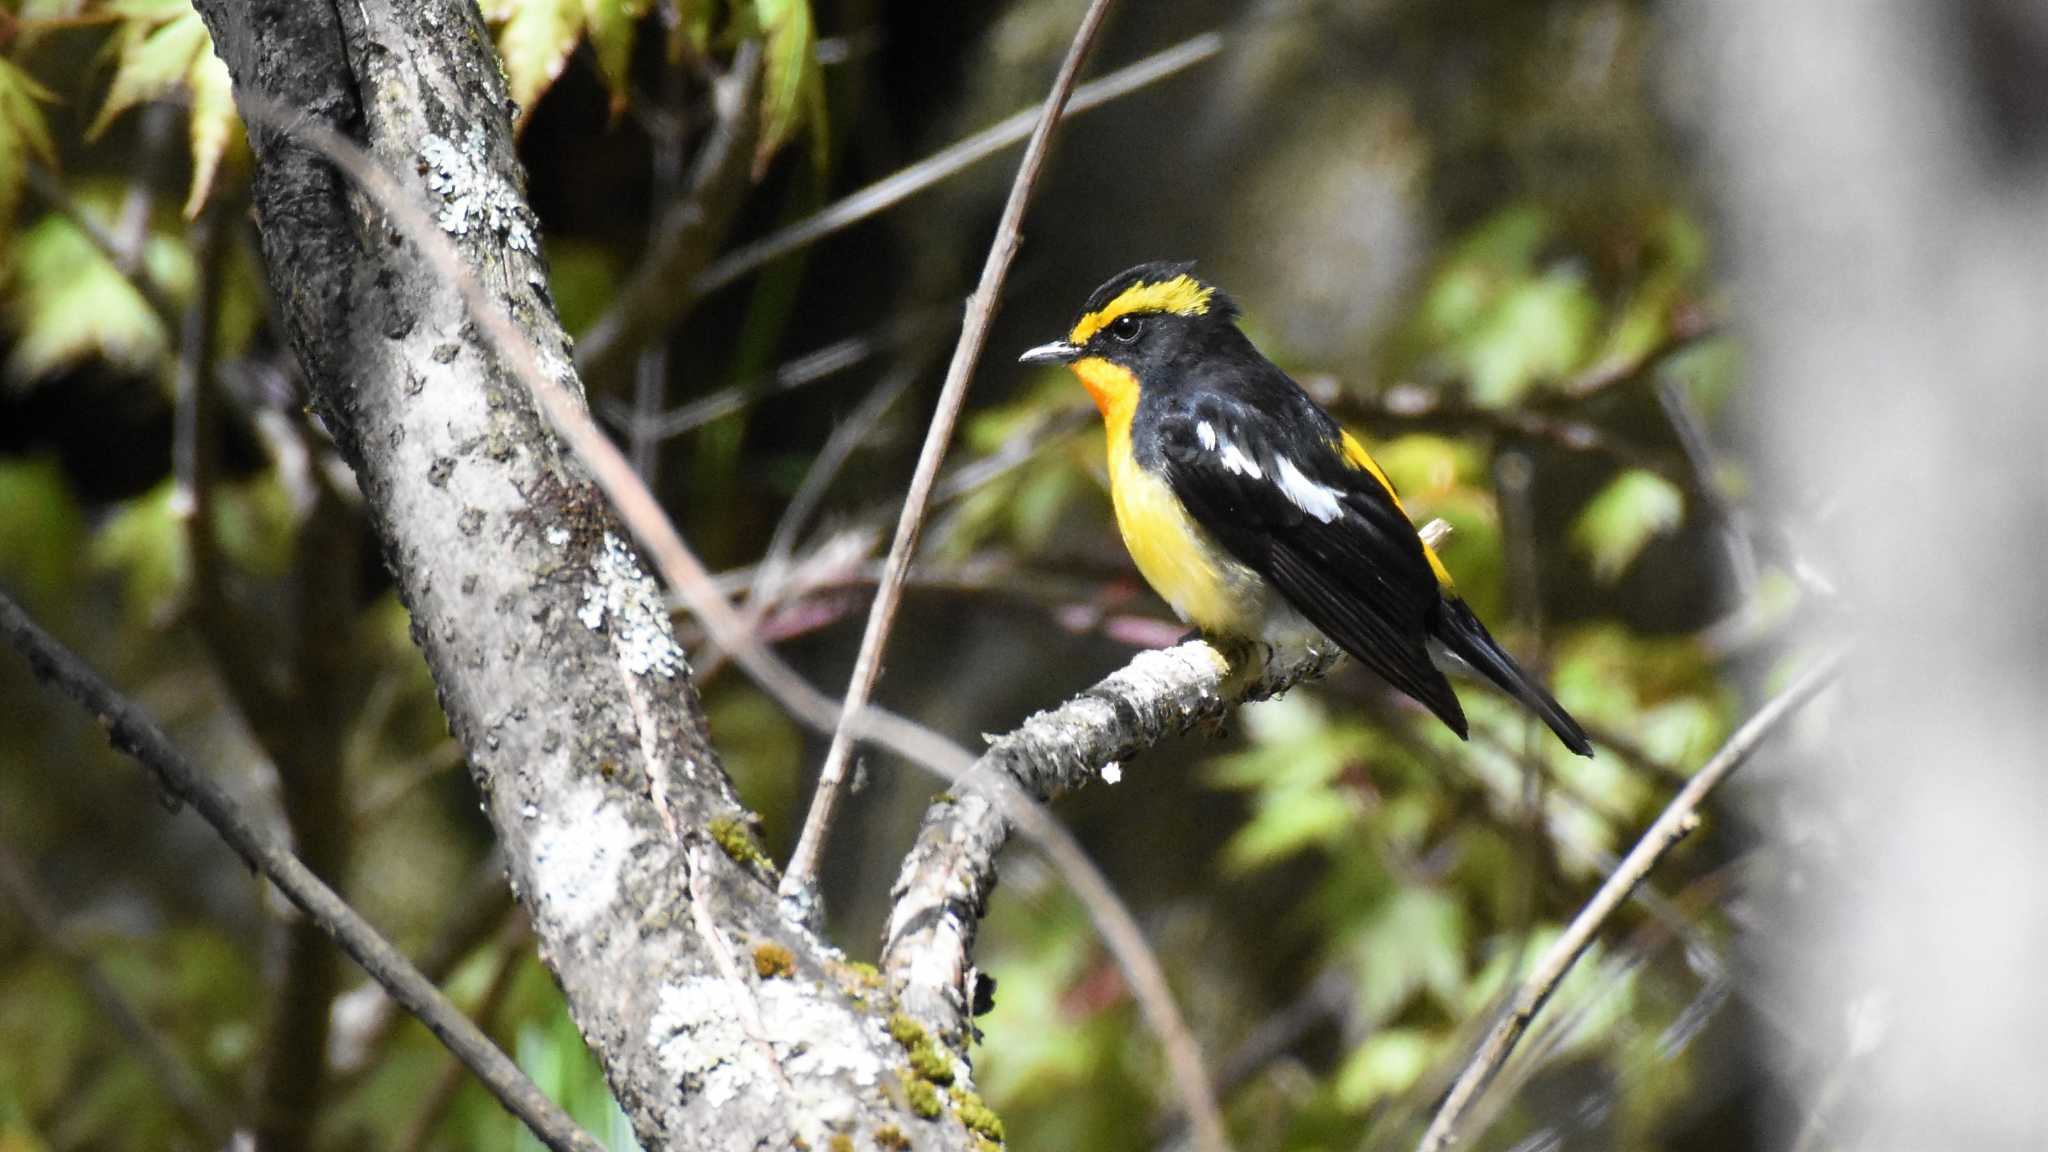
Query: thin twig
203, 1113
686, 575
656, 295
131, 731
1676, 821
800, 881
810, 368
936, 168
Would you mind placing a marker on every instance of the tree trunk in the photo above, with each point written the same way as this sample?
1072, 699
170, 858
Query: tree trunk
719, 1024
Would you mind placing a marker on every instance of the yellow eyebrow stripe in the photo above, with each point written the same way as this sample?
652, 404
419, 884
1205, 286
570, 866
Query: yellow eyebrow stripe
1182, 296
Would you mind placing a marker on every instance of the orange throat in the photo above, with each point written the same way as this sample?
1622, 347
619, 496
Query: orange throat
1115, 390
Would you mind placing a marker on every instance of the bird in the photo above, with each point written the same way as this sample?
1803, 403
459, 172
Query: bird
1249, 508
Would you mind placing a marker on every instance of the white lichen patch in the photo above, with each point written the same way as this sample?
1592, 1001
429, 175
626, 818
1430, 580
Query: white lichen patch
622, 600
473, 196
1112, 773
819, 1049
577, 849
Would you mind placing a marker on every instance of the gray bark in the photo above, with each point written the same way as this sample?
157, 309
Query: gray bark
927, 956
549, 645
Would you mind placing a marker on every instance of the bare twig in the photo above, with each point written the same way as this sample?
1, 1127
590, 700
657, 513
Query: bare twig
131, 731
1680, 817
810, 368
656, 295
799, 882
934, 169
1736, 535
202, 1112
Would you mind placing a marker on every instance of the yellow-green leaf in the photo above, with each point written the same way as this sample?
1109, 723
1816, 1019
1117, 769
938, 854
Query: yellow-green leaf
40, 527
613, 25
791, 84
1389, 1063
1617, 524
214, 125
536, 41
165, 51
155, 62
67, 303
23, 134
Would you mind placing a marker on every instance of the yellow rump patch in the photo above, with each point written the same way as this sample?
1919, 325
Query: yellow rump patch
1182, 296
1355, 452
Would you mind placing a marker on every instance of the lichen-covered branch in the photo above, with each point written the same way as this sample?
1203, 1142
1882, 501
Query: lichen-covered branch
943, 889
549, 644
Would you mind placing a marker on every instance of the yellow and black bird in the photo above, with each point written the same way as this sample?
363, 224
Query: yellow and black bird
1251, 511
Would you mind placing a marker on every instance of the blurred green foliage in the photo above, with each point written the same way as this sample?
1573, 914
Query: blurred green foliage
1539, 261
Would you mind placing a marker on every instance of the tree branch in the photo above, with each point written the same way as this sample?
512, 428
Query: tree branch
131, 731
799, 884
1678, 819
943, 888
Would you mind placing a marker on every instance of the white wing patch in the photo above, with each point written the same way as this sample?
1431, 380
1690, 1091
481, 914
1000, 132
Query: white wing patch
1235, 460
1318, 500
1206, 434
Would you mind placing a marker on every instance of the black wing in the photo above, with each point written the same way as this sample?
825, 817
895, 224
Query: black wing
1275, 491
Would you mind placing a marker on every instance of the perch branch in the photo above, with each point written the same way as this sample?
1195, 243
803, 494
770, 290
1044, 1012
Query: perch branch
132, 732
1677, 820
799, 882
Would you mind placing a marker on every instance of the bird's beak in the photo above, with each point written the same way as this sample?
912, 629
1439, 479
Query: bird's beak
1057, 352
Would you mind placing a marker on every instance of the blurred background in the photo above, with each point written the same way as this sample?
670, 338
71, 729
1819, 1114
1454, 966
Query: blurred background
1714, 330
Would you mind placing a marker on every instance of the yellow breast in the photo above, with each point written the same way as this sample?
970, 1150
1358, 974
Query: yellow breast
1203, 585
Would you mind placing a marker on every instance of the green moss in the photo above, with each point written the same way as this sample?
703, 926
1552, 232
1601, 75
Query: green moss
905, 1031
772, 960
927, 1057
929, 1061
984, 1144
736, 840
892, 1138
978, 1116
924, 1099
864, 976
840, 1142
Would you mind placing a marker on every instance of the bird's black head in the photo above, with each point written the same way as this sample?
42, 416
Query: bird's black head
1139, 321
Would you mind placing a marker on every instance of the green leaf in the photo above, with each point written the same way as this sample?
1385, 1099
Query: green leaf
1287, 822
536, 40
1620, 522
1389, 1063
613, 25
144, 543
1413, 942
23, 134
69, 304
1540, 329
155, 62
213, 124
792, 87
165, 51
40, 527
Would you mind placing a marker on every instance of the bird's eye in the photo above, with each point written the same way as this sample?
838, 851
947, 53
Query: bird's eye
1126, 328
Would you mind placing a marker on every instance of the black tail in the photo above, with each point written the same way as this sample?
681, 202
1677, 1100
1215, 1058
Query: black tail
1463, 634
